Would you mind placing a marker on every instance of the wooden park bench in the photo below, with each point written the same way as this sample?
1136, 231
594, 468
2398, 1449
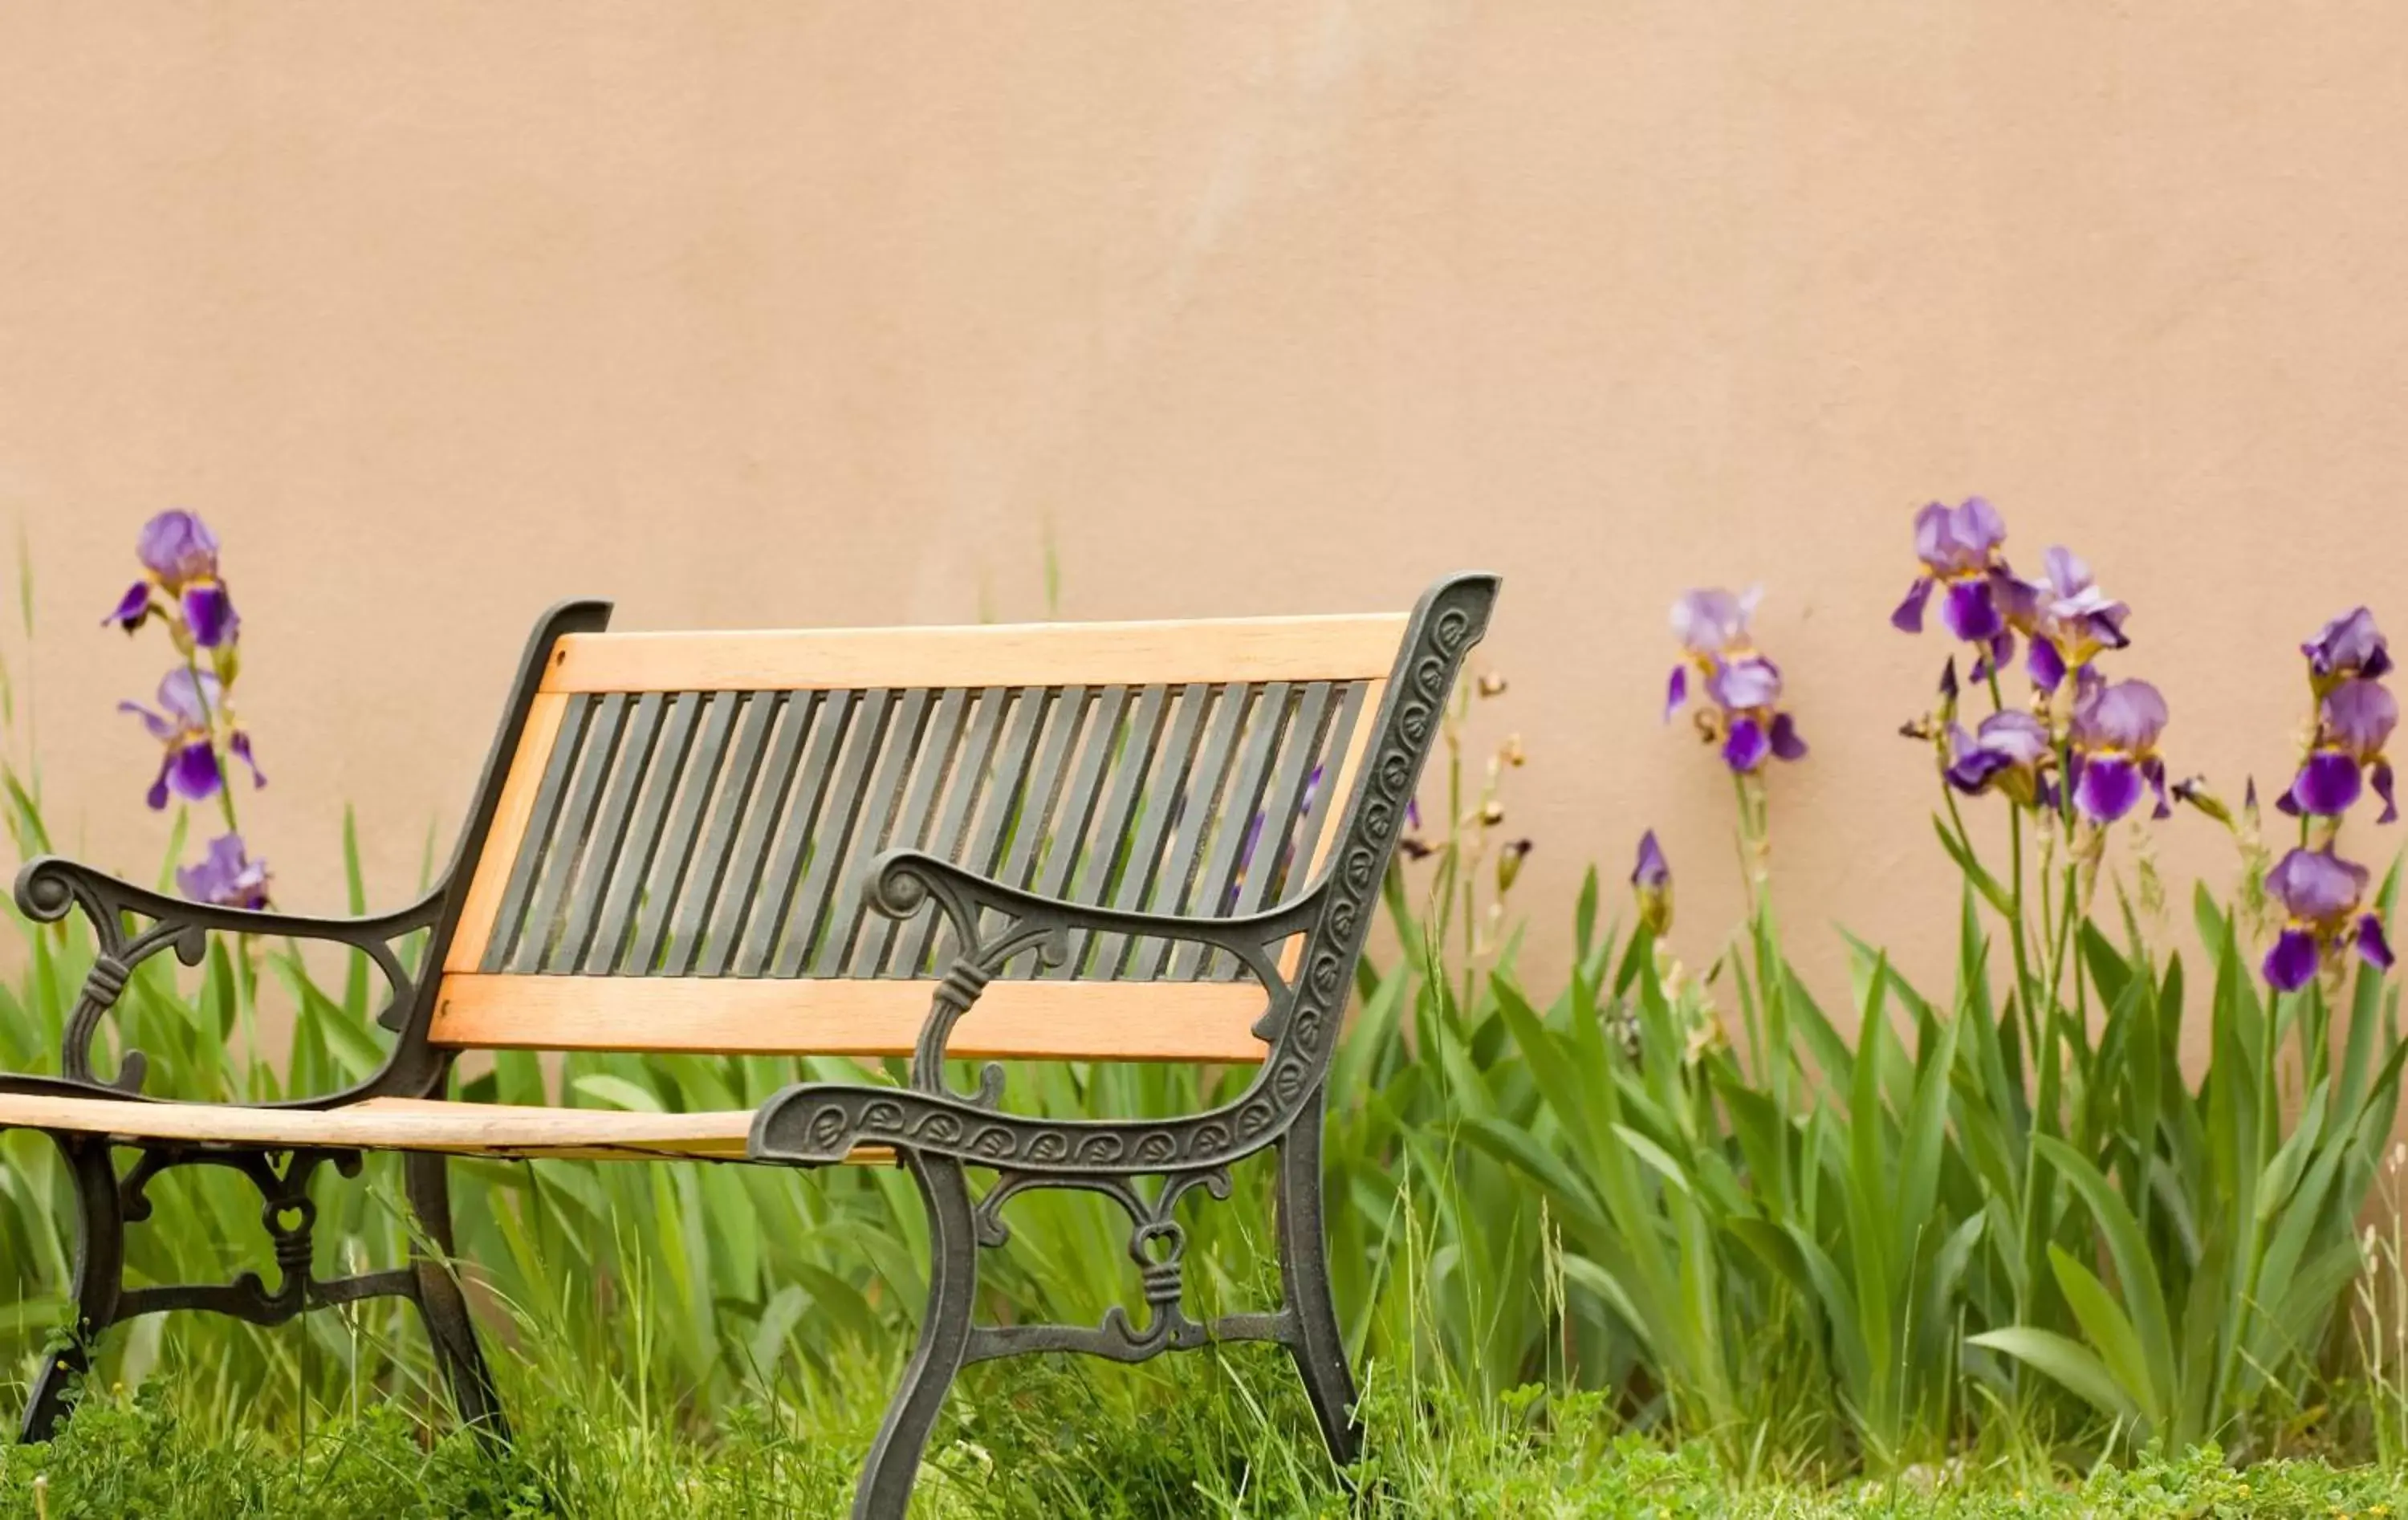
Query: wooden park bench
1133, 841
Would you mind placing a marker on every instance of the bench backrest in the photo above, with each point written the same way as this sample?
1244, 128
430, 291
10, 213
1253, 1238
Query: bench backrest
675, 854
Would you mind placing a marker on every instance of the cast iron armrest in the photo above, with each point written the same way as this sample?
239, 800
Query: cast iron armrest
815, 1123
49, 887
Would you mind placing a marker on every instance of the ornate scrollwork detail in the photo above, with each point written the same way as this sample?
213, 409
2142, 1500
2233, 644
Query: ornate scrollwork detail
48, 888
286, 1212
1157, 1246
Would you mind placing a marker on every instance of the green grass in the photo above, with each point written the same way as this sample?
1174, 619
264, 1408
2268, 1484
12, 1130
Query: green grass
1221, 1436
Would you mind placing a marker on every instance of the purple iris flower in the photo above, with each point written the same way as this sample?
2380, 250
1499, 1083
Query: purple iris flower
181, 555
132, 609
1712, 619
2353, 723
2068, 618
1742, 684
2320, 894
192, 708
1752, 742
177, 547
1958, 547
1750, 680
1748, 689
1651, 879
226, 875
2349, 645
1707, 623
2006, 751
2115, 730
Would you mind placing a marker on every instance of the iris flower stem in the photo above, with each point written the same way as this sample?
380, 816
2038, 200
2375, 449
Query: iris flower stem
2048, 1088
2015, 926
1773, 1057
223, 761
2015, 895
2065, 783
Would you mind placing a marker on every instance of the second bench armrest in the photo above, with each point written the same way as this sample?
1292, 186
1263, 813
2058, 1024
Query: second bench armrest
904, 882
49, 887
994, 925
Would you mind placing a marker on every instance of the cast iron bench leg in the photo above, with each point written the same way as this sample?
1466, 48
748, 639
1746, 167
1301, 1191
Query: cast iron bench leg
1319, 1348
443, 1304
99, 1279
944, 1337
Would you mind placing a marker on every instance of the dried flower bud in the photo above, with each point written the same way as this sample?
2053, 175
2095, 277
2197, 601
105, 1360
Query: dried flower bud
2194, 791
1512, 750
1490, 684
1492, 812
1509, 863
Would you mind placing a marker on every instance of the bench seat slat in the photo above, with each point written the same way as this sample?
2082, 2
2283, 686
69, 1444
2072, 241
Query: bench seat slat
1073, 1020
406, 1124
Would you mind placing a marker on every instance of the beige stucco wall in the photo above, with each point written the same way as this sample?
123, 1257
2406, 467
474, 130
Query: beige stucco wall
758, 314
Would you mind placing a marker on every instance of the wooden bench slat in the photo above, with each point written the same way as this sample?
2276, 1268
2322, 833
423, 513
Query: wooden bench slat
404, 1124
1072, 1021
1350, 648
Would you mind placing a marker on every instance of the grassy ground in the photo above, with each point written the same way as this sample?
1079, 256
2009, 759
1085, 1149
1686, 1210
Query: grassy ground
1220, 1437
